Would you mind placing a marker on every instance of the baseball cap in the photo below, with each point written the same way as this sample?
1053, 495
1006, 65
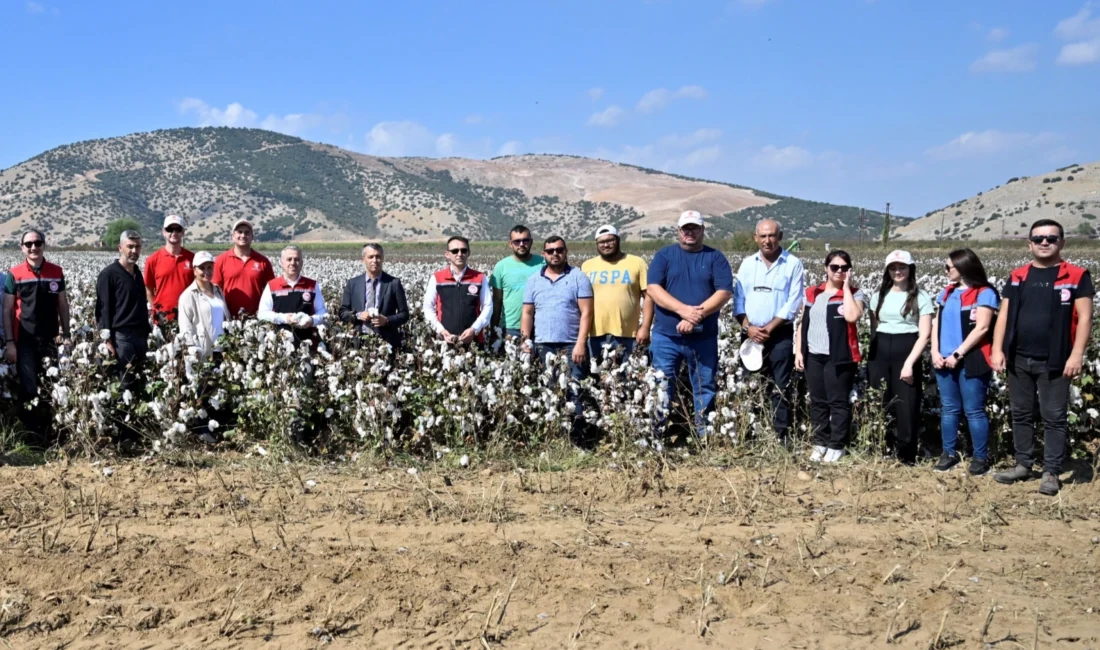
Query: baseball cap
690, 217
241, 222
202, 257
752, 355
606, 229
173, 220
902, 257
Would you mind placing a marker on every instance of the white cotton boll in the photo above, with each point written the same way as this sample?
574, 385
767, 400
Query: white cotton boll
107, 471
213, 425
412, 471
328, 413
464, 461
261, 451
127, 397
1093, 413
52, 372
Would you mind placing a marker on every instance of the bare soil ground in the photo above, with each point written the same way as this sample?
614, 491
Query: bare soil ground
296, 556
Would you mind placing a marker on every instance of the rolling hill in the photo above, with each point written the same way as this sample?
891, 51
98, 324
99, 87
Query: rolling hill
1070, 195
294, 189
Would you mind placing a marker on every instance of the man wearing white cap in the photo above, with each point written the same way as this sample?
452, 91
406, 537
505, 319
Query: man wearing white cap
766, 299
689, 283
242, 273
618, 286
168, 271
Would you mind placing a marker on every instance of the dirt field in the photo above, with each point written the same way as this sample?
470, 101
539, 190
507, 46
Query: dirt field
296, 557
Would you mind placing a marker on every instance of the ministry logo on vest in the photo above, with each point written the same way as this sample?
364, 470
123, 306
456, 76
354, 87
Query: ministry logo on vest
1065, 295
54, 286
473, 289
307, 296
840, 310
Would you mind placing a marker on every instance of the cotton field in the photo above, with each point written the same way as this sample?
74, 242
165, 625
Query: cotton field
268, 395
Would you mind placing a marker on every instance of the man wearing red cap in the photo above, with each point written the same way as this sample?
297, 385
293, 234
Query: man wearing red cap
168, 271
242, 273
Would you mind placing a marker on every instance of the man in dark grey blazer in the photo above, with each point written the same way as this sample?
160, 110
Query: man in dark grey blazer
375, 300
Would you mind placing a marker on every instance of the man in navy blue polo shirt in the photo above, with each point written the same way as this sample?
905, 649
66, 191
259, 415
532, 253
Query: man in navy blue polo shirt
557, 307
689, 283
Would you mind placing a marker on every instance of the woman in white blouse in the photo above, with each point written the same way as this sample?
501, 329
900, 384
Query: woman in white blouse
202, 308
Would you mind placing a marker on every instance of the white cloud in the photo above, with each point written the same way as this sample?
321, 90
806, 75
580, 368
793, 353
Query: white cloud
1080, 53
510, 148
782, 159
401, 138
595, 94
700, 157
610, 116
35, 8
475, 118
445, 144
989, 142
695, 138
996, 34
1079, 26
1016, 59
659, 98
237, 115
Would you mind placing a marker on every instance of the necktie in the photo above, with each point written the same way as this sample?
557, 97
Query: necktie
370, 301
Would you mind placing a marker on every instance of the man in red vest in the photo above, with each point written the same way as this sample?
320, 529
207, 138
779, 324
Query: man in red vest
168, 271
36, 308
242, 272
1040, 339
292, 300
458, 304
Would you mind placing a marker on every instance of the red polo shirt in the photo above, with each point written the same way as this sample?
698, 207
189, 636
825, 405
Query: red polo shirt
167, 275
242, 280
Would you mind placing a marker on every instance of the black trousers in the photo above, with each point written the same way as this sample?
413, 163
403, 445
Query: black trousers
900, 399
778, 366
131, 347
1029, 382
830, 385
30, 350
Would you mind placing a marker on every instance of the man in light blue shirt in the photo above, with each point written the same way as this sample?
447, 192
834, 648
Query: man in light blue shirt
766, 300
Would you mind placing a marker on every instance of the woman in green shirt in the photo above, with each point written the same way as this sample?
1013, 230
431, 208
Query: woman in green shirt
901, 325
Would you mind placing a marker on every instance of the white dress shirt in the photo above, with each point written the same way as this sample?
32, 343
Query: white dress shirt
267, 305
483, 317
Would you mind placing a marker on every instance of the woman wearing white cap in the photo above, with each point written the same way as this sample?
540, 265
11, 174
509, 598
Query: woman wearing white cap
202, 308
901, 326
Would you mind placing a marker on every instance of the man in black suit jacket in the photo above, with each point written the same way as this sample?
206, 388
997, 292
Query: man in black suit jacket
388, 309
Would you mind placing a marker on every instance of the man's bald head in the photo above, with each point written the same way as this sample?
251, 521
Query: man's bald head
767, 237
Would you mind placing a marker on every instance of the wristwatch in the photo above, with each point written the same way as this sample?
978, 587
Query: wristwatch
956, 354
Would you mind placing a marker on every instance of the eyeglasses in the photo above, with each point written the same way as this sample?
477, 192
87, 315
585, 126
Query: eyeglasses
1045, 239
554, 251
606, 242
35, 243
526, 241
459, 251
840, 268
947, 267
173, 229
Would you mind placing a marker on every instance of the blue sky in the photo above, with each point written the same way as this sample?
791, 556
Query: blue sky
849, 101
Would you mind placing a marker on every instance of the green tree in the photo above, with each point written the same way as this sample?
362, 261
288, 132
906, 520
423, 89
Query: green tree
115, 229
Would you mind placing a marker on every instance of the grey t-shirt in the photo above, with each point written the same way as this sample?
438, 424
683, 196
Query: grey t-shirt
818, 334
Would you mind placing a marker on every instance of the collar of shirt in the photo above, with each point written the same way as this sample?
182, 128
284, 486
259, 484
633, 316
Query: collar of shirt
568, 269
296, 280
37, 270
458, 276
759, 257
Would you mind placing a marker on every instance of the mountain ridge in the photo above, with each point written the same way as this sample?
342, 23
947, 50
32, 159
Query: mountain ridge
300, 190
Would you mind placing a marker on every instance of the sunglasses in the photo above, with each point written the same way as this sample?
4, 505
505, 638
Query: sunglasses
840, 268
36, 243
173, 229
554, 251
1045, 239
526, 241
459, 251
947, 267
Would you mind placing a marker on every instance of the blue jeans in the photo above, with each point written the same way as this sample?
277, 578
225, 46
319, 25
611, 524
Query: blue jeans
960, 394
596, 346
513, 333
701, 356
576, 371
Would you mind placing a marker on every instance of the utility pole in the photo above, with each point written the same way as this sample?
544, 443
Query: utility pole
886, 226
862, 223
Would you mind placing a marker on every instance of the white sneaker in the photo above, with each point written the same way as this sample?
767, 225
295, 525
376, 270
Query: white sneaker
817, 454
833, 455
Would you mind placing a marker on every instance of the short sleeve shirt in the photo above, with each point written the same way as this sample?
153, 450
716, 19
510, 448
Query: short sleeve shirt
690, 277
817, 336
510, 276
617, 288
242, 281
557, 313
167, 275
890, 320
951, 332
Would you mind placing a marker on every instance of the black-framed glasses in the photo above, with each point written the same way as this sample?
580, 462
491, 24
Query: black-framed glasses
1045, 239
554, 251
34, 243
459, 251
173, 229
526, 241
606, 242
947, 267
840, 268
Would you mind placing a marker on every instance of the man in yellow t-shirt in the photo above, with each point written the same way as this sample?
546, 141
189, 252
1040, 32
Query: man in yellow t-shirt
618, 286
